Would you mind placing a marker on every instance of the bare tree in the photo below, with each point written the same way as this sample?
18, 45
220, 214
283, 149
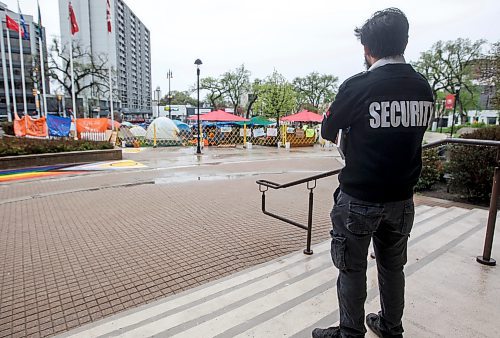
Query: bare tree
90, 71
236, 84
253, 96
215, 89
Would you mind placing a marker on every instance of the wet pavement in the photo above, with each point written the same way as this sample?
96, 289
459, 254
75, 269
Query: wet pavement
82, 247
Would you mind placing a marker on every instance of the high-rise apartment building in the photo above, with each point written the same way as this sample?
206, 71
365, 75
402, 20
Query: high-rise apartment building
31, 53
128, 47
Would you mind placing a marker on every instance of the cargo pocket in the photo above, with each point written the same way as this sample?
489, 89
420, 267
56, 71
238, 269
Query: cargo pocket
363, 219
408, 217
338, 251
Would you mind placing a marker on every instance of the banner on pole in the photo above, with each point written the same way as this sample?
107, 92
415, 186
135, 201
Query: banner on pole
99, 125
58, 126
27, 126
450, 101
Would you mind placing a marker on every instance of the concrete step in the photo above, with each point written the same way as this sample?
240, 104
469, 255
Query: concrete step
290, 296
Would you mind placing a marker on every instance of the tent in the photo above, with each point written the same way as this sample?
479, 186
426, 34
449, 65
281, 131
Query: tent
165, 129
127, 124
124, 133
257, 121
181, 125
303, 116
138, 131
218, 116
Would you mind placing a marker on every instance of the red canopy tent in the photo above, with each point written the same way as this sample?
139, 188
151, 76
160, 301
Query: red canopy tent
218, 116
303, 116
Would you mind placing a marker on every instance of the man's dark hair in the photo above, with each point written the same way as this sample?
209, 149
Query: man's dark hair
385, 33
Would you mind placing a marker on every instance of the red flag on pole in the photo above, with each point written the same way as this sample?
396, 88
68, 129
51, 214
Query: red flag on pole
450, 101
12, 24
108, 16
72, 19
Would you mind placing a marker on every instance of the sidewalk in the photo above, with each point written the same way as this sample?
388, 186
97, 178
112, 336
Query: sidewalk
448, 294
78, 249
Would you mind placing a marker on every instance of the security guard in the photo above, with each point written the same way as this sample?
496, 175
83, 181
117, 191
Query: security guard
384, 113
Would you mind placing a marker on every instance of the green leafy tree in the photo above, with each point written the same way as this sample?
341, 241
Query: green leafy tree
451, 63
236, 84
179, 98
314, 90
277, 97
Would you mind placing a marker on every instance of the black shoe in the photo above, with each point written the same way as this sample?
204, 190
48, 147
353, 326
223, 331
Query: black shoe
331, 332
373, 322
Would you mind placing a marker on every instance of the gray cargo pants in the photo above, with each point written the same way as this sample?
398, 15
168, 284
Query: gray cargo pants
355, 223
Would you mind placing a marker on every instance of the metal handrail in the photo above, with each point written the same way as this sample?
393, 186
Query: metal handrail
274, 185
463, 141
485, 259
264, 185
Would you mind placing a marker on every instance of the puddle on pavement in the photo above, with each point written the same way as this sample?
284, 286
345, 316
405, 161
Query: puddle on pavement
221, 177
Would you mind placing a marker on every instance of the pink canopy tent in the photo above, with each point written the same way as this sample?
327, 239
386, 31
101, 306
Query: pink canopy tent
303, 116
218, 116
116, 124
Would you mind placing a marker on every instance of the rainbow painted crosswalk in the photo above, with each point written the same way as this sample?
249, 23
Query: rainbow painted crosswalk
68, 169
36, 172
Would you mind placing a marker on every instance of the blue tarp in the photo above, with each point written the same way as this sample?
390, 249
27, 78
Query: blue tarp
58, 126
181, 125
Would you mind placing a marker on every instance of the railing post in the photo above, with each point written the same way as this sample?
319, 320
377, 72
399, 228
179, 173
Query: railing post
490, 229
308, 250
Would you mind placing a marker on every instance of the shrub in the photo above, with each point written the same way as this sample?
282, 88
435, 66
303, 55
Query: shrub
432, 169
471, 167
456, 128
12, 146
7, 127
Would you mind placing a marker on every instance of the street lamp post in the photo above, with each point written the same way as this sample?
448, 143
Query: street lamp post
59, 99
457, 95
158, 92
169, 76
198, 63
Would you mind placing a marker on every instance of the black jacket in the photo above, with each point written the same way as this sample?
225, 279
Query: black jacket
386, 112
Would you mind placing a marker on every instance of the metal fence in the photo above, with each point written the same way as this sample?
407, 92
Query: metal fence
230, 136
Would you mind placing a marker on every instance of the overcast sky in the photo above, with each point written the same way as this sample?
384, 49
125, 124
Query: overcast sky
294, 37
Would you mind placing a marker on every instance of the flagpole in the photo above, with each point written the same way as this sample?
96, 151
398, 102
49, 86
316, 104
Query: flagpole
21, 52
73, 29
42, 67
5, 77
111, 98
72, 81
108, 18
14, 103
42, 62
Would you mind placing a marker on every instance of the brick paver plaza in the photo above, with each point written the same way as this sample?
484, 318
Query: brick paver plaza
77, 249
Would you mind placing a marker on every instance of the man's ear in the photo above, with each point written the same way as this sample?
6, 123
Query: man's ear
367, 51
369, 56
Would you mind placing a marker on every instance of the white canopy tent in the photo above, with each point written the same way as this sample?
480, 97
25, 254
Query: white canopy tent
165, 130
138, 131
